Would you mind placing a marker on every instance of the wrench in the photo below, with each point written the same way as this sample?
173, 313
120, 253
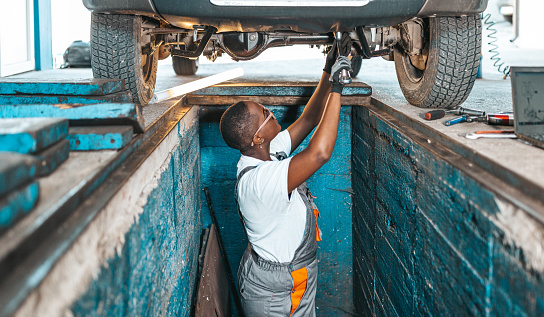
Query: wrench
345, 77
474, 136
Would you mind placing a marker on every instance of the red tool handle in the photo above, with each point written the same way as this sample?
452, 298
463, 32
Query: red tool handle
435, 114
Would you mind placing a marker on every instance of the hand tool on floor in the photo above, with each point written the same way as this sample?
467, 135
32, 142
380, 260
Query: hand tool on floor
345, 77
491, 119
500, 119
440, 113
494, 119
460, 119
497, 134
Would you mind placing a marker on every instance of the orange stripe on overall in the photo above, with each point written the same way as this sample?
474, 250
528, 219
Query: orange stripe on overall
300, 279
317, 231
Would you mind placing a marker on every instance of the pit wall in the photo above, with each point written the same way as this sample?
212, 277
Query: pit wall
139, 256
429, 236
331, 184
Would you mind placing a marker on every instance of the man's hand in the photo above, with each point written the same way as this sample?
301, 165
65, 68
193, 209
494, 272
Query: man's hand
341, 63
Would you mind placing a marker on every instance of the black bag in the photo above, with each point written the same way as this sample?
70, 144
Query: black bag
78, 54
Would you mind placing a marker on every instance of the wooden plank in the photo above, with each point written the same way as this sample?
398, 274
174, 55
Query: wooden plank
118, 97
16, 169
51, 157
296, 89
17, 204
213, 288
29, 135
99, 138
81, 114
66, 87
269, 100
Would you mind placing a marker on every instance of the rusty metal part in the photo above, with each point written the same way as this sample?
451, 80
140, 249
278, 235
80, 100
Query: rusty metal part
376, 41
245, 46
189, 52
413, 42
165, 31
164, 51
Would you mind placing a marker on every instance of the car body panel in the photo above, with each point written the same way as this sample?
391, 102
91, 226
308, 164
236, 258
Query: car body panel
452, 8
298, 19
281, 15
142, 7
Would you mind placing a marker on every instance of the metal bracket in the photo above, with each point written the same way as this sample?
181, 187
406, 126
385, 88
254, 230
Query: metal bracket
196, 53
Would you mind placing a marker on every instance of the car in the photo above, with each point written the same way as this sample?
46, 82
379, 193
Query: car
78, 54
435, 44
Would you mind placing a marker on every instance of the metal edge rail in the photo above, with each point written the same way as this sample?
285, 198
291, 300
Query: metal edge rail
42, 245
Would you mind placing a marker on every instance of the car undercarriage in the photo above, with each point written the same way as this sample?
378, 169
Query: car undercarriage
436, 48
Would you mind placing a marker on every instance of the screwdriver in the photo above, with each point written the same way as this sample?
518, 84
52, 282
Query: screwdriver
437, 114
491, 119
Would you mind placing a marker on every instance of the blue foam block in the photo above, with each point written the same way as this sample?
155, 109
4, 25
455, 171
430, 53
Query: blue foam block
16, 169
17, 204
99, 138
81, 114
300, 89
120, 97
67, 87
29, 135
52, 157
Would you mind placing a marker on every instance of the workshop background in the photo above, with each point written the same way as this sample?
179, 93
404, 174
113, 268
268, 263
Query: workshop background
417, 219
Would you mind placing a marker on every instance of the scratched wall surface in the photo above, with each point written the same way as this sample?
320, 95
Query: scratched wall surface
429, 239
154, 273
331, 184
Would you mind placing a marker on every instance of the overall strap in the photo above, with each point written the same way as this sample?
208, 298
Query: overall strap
279, 155
242, 173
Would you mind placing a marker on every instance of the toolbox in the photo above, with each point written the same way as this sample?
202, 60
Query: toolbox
528, 102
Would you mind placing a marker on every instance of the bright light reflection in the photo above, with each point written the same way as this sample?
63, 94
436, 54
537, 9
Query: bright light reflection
197, 84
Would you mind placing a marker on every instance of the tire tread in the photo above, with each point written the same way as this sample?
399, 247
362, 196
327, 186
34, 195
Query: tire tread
113, 53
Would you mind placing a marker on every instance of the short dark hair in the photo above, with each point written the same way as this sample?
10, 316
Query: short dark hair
236, 126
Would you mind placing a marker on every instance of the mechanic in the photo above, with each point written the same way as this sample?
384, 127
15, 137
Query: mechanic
277, 275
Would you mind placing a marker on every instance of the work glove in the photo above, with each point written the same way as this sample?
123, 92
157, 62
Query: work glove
345, 50
341, 63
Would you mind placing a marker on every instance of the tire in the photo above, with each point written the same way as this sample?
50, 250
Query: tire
356, 63
184, 66
454, 47
116, 40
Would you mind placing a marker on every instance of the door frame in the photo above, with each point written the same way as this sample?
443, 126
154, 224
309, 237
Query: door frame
30, 63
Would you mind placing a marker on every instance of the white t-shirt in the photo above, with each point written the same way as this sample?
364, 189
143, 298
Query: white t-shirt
274, 222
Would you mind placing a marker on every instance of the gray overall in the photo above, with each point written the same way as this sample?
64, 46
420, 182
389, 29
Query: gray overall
281, 289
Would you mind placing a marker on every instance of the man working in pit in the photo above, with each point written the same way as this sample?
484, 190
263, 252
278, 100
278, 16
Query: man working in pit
278, 271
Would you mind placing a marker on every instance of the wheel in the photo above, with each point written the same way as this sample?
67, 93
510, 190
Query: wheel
356, 63
452, 57
118, 50
184, 66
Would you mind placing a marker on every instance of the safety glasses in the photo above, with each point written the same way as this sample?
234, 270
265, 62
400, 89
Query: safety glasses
270, 115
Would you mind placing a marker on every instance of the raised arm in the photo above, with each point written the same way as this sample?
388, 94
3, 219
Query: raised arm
319, 149
313, 112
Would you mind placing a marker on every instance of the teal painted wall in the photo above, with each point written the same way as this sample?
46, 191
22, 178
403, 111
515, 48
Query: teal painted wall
331, 184
155, 273
430, 239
